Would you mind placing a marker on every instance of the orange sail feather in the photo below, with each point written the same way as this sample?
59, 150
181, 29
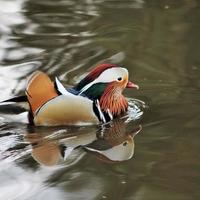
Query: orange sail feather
40, 89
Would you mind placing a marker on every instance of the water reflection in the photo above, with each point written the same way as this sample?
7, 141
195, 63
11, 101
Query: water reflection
158, 41
112, 142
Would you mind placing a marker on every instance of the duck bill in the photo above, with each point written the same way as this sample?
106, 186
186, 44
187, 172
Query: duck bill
132, 85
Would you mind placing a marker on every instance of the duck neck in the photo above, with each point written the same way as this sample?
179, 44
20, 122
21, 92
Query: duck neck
113, 100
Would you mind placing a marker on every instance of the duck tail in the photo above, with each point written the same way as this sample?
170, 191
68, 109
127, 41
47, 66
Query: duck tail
14, 104
16, 99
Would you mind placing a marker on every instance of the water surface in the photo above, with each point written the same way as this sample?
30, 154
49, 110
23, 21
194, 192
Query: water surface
152, 156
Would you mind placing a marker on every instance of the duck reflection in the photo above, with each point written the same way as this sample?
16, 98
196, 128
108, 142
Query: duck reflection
114, 143
111, 143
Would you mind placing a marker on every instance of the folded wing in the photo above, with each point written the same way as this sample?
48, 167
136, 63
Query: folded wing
40, 90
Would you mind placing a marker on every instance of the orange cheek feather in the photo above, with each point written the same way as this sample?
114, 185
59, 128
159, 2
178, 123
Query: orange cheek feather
113, 99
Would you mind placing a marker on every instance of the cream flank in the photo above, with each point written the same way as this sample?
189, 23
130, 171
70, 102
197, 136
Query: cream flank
65, 109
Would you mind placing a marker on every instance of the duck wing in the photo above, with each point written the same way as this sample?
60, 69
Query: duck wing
39, 90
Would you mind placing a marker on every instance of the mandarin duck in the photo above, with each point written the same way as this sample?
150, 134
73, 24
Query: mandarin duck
96, 98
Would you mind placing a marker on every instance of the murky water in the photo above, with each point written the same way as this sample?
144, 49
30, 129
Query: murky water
149, 155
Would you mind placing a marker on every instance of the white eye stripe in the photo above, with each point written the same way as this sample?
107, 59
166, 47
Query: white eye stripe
107, 76
112, 74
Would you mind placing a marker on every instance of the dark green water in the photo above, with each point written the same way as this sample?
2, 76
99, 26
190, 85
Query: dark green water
158, 42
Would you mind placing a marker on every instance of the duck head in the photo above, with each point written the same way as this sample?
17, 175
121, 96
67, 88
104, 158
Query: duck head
106, 83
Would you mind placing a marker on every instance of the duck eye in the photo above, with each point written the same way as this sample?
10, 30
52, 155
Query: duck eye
119, 79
